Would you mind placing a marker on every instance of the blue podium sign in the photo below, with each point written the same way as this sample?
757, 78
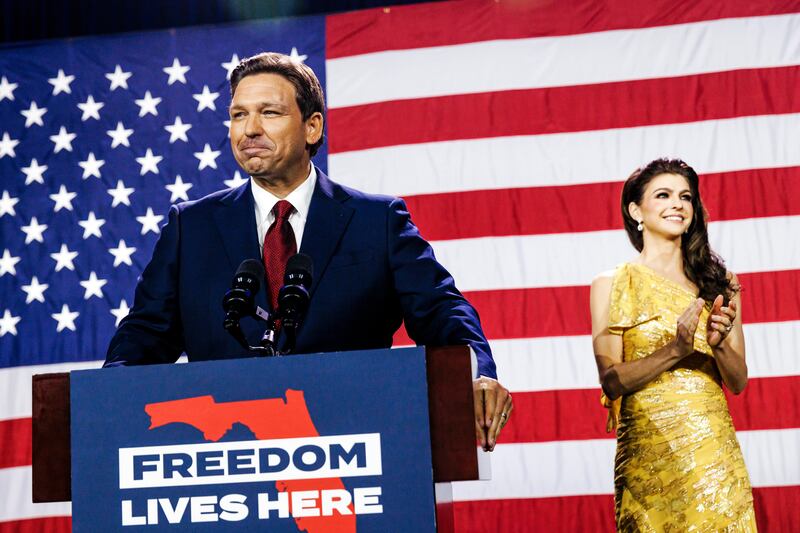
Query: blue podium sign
318, 443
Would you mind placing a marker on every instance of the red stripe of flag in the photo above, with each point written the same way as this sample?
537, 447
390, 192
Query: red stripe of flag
449, 23
770, 296
544, 416
563, 311
717, 95
15, 442
592, 207
767, 403
522, 211
567, 514
533, 312
776, 510
51, 524
523, 313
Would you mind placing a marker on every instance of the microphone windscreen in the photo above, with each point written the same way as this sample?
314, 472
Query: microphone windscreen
251, 266
252, 269
299, 267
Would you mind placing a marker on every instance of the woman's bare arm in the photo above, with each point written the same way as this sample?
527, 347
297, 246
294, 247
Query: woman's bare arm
728, 346
618, 378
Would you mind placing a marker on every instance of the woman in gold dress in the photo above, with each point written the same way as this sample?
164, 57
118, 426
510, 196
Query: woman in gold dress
666, 338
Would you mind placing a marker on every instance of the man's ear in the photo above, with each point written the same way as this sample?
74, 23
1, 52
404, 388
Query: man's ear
314, 126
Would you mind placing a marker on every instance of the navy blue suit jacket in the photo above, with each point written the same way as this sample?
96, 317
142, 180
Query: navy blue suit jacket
372, 270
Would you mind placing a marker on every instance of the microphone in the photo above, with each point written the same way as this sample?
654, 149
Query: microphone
293, 297
239, 301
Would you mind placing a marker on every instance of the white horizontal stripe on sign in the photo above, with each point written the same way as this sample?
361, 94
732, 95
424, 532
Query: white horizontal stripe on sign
15, 503
15, 382
618, 55
598, 156
564, 363
249, 461
573, 468
569, 259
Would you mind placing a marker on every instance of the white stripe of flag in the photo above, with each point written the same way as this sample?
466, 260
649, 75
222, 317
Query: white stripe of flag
609, 56
570, 259
743, 143
574, 468
564, 363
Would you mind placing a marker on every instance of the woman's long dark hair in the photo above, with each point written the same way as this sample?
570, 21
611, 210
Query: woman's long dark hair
701, 264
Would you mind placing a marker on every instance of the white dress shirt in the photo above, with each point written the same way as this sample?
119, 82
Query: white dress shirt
300, 198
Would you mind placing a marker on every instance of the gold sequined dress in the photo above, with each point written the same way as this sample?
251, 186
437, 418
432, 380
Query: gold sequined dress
678, 465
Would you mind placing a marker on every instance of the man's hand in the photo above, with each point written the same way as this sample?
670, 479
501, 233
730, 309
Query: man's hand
493, 407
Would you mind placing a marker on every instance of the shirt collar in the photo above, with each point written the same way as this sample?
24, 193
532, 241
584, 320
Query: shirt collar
300, 198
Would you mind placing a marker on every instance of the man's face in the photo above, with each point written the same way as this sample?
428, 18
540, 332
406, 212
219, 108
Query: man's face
268, 133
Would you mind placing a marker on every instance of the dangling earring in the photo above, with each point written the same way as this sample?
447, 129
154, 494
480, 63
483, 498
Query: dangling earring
640, 227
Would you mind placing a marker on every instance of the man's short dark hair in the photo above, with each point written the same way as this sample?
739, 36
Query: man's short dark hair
310, 98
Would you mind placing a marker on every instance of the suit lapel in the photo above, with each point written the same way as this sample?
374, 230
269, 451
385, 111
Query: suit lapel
327, 220
236, 222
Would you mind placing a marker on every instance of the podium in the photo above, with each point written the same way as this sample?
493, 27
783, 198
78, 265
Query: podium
350, 441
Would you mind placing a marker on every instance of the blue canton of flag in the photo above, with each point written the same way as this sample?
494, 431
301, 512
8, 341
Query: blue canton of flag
98, 137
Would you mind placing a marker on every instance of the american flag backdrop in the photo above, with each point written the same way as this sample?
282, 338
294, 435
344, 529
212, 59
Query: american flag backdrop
508, 127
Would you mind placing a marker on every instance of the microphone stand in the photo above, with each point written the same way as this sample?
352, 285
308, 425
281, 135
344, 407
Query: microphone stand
293, 298
266, 346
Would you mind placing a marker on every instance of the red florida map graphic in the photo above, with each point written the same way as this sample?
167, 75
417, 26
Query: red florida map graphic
271, 418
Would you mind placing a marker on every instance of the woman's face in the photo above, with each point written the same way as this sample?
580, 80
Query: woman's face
666, 207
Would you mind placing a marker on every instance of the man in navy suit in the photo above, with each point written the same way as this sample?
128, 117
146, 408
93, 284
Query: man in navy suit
372, 269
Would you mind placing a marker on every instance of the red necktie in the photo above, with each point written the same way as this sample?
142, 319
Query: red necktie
279, 246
